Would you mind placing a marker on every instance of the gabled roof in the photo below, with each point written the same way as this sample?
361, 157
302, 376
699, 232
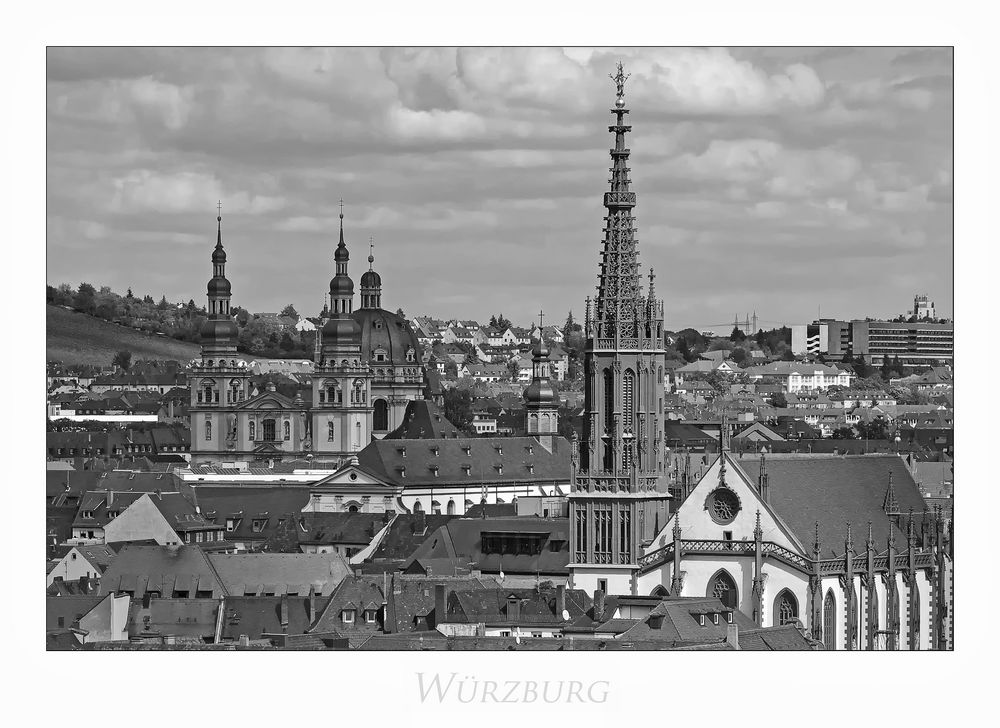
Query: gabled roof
406, 532
279, 573
837, 490
423, 419
70, 608
358, 593
340, 528
169, 617
246, 503
99, 555
412, 598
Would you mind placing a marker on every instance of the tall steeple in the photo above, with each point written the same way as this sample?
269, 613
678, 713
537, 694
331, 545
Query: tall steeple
218, 333
622, 478
371, 282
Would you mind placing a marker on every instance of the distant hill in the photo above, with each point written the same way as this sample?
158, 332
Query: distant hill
76, 338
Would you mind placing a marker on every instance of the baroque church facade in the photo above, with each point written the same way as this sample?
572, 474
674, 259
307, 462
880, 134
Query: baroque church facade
367, 368
844, 547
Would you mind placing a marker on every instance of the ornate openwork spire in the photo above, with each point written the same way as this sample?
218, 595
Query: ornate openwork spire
816, 547
849, 541
618, 311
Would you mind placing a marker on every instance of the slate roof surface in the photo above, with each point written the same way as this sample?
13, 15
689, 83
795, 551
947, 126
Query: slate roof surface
60, 484
100, 555
140, 568
837, 490
461, 539
257, 616
96, 503
249, 502
786, 637
423, 419
340, 528
279, 573
406, 533
70, 608
410, 598
489, 459
358, 593
78, 587
492, 606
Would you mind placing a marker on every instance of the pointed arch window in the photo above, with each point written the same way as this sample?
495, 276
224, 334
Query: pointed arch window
628, 401
723, 587
830, 621
786, 608
609, 400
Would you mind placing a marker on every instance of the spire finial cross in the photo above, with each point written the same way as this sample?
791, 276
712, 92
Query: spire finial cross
540, 315
341, 208
220, 208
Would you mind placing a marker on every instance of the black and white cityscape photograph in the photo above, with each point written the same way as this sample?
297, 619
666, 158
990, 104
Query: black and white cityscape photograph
422, 348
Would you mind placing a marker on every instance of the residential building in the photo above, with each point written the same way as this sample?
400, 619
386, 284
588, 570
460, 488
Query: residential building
801, 376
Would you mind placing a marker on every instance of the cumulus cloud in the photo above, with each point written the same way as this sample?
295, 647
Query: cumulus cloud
479, 171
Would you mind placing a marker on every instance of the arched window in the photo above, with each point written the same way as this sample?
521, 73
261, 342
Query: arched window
418, 507
208, 429
359, 392
874, 611
380, 416
451, 508
253, 430
786, 608
287, 430
855, 619
830, 621
329, 431
915, 636
352, 509
628, 402
723, 588
659, 591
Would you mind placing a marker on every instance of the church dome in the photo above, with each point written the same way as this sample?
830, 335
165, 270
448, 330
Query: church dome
341, 329
371, 279
219, 330
219, 286
388, 335
340, 254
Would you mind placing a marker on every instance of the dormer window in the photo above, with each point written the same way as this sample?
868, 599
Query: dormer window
370, 616
468, 451
402, 452
258, 524
436, 450
531, 450
531, 468
88, 514
500, 469
715, 618
230, 524
467, 469
729, 617
347, 616
434, 469
701, 620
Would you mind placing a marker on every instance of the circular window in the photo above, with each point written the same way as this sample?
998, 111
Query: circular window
354, 476
723, 505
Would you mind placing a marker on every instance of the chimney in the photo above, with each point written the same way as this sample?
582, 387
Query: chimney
312, 603
111, 497
560, 600
284, 613
598, 605
733, 636
440, 606
421, 521
84, 585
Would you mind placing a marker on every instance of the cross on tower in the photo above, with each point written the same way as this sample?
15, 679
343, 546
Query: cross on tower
341, 206
540, 315
220, 208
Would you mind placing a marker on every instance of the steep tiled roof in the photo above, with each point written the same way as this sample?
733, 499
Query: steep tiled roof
100, 555
358, 593
492, 606
836, 491
249, 503
70, 608
786, 637
340, 528
406, 532
423, 419
411, 600
169, 617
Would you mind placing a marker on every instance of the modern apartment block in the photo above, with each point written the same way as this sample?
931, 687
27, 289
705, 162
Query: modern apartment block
914, 343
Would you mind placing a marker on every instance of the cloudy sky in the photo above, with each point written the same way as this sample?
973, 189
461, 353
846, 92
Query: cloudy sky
776, 180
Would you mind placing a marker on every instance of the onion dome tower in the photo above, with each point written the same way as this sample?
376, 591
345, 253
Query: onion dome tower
342, 407
219, 382
219, 332
540, 397
621, 483
371, 282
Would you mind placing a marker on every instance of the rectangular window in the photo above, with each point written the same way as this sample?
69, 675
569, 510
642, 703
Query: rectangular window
199, 537
602, 584
370, 616
347, 616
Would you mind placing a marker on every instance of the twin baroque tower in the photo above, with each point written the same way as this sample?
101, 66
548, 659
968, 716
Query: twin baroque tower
619, 497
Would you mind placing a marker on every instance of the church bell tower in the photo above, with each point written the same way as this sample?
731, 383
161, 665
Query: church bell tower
619, 494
